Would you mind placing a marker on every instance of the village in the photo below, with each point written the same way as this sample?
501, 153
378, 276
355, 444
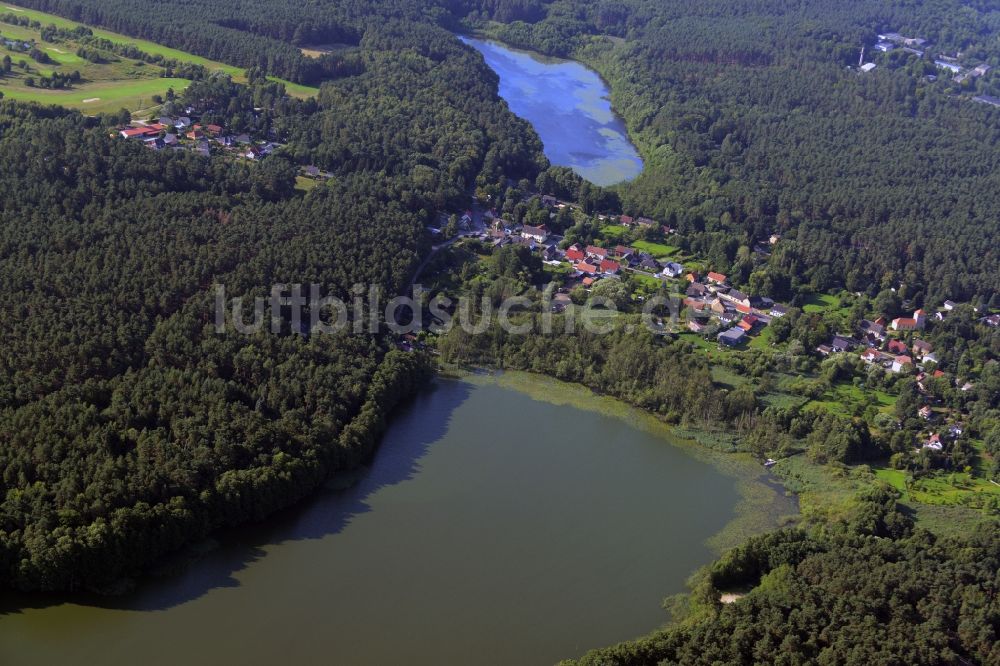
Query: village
715, 311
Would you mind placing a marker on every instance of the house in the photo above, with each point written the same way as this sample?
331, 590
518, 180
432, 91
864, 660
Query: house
695, 304
914, 323
884, 47
728, 317
584, 267
214, 129
897, 347
732, 337
560, 302
649, 264
623, 252
691, 277
574, 253
841, 343
595, 252
696, 326
824, 350
194, 135
872, 328
672, 269
901, 362
952, 67
645, 222
717, 306
550, 253
182, 123
934, 443
717, 278
588, 282
549, 201
992, 320
921, 348
778, 310
539, 234
170, 139
871, 356
926, 412
950, 305
627, 220
138, 132
253, 153
748, 322
609, 267
736, 297
696, 290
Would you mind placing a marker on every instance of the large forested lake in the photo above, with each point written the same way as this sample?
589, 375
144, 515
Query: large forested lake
568, 106
490, 528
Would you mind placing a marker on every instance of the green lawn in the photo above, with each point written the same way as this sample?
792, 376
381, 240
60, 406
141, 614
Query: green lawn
658, 250
99, 96
152, 48
762, 340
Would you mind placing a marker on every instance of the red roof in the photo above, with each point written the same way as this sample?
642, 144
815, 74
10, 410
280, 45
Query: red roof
138, 131
608, 266
573, 254
745, 309
903, 360
897, 347
626, 219
716, 277
597, 251
587, 281
938, 373
584, 267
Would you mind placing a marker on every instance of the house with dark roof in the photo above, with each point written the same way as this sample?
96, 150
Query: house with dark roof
732, 337
922, 348
538, 234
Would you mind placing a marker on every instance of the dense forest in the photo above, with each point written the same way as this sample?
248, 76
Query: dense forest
130, 426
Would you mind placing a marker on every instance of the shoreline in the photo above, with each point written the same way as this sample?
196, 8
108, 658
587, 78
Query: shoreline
761, 507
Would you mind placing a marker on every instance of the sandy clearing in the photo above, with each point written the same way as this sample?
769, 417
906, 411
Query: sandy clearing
729, 597
91, 99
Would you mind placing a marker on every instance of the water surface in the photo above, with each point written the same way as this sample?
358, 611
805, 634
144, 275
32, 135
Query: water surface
491, 528
568, 106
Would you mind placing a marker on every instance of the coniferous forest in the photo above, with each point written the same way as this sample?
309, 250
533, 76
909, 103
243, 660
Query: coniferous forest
129, 428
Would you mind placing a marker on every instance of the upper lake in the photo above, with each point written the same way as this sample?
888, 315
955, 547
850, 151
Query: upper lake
568, 106
490, 528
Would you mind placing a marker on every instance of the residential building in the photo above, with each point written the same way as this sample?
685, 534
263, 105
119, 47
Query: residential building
732, 337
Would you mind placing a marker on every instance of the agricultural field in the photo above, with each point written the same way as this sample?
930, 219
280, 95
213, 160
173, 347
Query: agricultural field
105, 87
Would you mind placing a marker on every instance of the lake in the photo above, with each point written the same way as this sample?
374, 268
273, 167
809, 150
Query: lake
568, 106
490, 528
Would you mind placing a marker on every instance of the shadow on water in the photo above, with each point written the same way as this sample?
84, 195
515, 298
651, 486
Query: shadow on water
213, 564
